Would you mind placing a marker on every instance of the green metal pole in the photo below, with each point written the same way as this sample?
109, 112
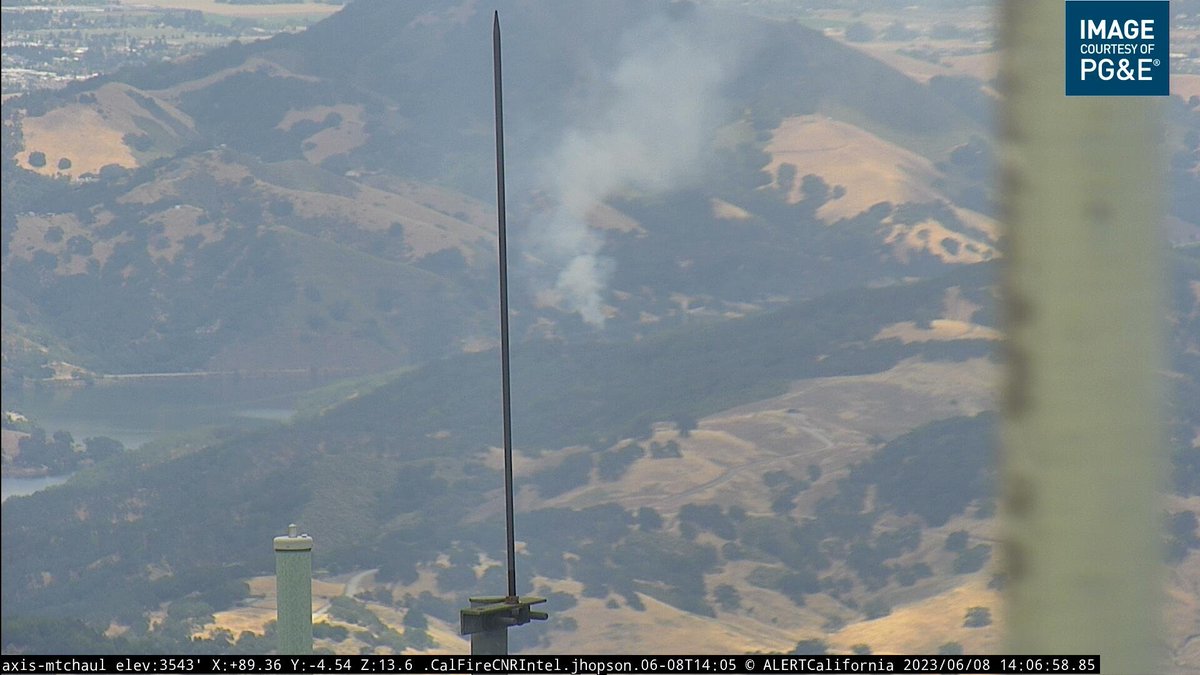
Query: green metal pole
1081, 435
293, 591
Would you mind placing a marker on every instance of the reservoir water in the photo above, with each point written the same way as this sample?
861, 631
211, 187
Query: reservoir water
138, 412
16, 487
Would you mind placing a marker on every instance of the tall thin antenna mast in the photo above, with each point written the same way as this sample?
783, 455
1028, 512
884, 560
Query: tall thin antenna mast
506, 400
488, 619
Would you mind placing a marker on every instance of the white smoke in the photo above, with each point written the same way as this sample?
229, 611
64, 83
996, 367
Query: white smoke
649, 132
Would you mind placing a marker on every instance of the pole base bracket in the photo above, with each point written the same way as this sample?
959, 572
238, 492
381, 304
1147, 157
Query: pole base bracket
498, 612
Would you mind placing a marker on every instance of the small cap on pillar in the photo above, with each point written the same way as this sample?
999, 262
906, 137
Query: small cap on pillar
293, 542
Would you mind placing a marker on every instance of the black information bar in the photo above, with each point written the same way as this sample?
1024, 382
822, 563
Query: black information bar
568, 665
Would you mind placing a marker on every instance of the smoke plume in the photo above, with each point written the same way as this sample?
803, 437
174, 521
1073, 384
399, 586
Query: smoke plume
653, 123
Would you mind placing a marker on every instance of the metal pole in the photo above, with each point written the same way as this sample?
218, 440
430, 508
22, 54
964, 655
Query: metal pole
503, 246
1081, 437
488, 618
293, 592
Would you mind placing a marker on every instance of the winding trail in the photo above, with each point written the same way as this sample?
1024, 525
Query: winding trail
350, 590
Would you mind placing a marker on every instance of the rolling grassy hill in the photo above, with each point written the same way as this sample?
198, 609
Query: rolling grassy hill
323, 178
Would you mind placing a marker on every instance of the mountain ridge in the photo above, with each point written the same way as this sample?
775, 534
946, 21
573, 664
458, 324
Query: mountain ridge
254, 112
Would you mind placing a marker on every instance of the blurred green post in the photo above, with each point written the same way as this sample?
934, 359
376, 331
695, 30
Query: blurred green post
1082, 446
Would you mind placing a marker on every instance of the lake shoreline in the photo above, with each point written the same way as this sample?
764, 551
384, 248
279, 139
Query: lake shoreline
28, 472
23, 487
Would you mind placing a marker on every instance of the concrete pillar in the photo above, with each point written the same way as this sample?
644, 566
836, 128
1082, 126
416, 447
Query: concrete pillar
293, 591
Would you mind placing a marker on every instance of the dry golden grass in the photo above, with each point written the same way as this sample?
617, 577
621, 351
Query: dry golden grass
921, 627
707, 457
604, 217
955, 306
179, 223
78, 133
29, 237
316, 113
930, 236
91, 136
445, 637
954, 56
523, 465
1183, 613
260, 607
1183, 600
846, 411
167, 185
10, 442
1185, 85
344, 137
726, 211
264, 587
61, 370
426, 230
432, 219
822, 421
770, 613
978, 222
426, 583
260, 610
659, 629
980, 64
870, 169
723, 463
889, 53
984, 66
240, 620
939, 330
252, 64
770, 623
450, 202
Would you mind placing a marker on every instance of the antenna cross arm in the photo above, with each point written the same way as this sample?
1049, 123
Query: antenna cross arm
493, 613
